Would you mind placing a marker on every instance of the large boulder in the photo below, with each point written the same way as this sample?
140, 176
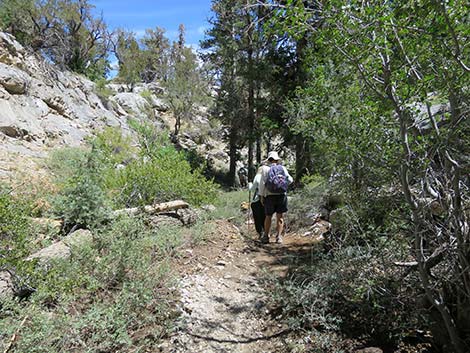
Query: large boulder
19, 118
132, 103
55, 251
14, 80
11, 52
62, 249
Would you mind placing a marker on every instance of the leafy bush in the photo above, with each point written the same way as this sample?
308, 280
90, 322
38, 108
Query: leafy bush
113, 295
113, 147
14, 228
66, 163
81, 201
353, 293
164, 177
159, 174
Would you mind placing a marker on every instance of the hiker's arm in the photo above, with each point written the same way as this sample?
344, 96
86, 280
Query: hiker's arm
262, 180
290, 180
254, 184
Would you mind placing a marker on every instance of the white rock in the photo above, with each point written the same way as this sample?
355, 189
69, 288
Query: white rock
14, 80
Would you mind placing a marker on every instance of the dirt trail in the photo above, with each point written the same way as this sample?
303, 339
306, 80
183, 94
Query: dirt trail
223, 305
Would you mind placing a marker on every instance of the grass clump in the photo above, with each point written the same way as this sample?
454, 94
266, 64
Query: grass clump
227, 204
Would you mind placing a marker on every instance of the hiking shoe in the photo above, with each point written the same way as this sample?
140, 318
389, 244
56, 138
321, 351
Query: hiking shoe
264, 238
279, 239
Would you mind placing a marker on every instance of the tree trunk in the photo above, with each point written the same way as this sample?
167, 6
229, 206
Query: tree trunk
177, 126
302, 158
258, 151
233, 156
251, 99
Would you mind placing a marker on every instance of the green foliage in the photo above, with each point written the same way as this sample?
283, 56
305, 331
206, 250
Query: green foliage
65, 32
305, 199
81, 201
185, 87
353, 294
164, 176
156, 55
103, 92
228, 205
147, 95
155, 172
14, 228
113, 295
129, 55
158, 174
112, 147
202, 231
65, 163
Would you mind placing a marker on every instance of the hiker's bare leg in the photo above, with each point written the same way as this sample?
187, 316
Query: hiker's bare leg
267, 225
280, 226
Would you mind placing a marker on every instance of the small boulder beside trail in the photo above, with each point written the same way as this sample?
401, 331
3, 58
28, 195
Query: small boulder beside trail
62, 249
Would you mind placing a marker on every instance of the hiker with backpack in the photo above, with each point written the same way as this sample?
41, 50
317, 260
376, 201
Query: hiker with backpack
243, 176
256, 207
275, 180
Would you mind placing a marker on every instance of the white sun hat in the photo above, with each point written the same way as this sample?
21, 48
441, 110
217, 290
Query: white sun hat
273, 155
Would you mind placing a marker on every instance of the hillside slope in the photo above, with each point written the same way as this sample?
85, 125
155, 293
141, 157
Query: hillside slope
43, 108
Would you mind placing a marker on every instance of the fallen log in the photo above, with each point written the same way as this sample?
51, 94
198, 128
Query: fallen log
153, 209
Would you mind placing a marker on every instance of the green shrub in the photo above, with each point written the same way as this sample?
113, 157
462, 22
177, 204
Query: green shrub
103, 92
81, 201
355, 292
113, 147
112, 295
67, 162
159, 174
14, 228
164, 177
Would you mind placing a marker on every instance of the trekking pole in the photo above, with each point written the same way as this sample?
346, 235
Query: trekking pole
249, 210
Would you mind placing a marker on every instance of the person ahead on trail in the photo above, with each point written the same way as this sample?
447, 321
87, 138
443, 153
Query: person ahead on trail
273, 191
243, 176
256, 206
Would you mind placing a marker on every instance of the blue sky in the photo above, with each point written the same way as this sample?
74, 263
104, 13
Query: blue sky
137, 15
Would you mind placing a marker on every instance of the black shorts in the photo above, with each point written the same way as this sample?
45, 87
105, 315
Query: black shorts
275, 204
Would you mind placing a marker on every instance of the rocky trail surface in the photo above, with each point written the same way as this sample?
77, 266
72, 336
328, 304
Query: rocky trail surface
224, 307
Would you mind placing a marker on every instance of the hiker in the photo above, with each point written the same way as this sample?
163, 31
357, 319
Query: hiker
243, 176
256, 206
273, 192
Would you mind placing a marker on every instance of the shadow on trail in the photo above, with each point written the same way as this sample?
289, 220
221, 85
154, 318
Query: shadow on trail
286, 258
237, 339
